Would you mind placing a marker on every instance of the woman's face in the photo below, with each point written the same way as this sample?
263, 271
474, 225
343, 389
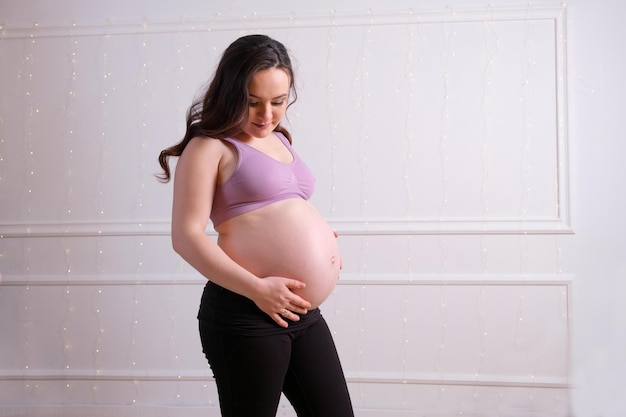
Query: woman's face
267, 102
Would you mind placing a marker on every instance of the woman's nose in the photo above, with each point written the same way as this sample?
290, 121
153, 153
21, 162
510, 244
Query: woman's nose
265, 111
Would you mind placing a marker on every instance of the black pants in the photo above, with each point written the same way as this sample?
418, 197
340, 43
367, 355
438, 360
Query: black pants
252, 371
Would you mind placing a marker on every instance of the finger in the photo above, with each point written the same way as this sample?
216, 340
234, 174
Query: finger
279, 320
299, 305
295, 308
294, 284
289, 314
296, 301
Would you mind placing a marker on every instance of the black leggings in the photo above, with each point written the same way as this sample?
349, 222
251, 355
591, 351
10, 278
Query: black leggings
252, 371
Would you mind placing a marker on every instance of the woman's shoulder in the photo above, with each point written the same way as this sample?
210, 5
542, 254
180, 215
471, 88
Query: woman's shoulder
203, 150
211, 155
208, 145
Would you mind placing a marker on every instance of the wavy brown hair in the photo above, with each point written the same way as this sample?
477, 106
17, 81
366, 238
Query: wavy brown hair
222, 110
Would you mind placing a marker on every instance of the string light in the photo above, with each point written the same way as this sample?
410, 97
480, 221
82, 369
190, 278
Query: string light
558, 399
412, 68
145, 96
363, 104
406, 321
144, 92
173, 351
172, 346
332, 110
70, 120
333, 121
525, 168
107, 89
491, 44
178, 80
3, 134
447, 56
70, 111
69, 309
26, 80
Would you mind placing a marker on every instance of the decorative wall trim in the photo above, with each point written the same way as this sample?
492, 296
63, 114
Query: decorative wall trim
343, 227
191, 375
447, 226
84, 229
347, 279
101, 410
285, 21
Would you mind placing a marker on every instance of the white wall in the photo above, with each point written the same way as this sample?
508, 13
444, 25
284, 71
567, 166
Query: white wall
467, 153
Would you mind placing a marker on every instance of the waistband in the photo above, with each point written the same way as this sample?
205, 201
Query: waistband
229, 312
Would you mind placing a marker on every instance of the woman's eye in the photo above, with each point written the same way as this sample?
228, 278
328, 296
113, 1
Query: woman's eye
274, 103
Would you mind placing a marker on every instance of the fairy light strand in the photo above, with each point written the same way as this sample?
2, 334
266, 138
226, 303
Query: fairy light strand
181, 49
363, 104
26, 79
3, 134
144, 97
107, 89
332, 121
558, 398
334, 135
525, 168
70, 122
332, 110
144, 92
70, 111
411, 70
491, 43
67, 345
447, 55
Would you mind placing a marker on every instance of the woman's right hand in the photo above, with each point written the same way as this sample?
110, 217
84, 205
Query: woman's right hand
277, 299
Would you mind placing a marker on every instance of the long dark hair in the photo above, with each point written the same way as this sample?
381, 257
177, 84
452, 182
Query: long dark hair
223, 109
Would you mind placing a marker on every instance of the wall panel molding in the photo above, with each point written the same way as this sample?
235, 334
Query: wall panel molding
205, 411
84, 229
285, 21
192, 375
347, 279
343, 227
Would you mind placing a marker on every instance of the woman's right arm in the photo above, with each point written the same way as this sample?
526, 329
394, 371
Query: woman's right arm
195, 179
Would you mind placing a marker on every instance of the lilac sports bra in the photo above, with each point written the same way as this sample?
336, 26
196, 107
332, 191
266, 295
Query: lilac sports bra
259, 180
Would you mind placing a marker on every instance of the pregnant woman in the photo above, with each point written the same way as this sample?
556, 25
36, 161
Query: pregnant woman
275, 259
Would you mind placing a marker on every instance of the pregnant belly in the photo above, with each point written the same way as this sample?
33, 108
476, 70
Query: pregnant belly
289, 239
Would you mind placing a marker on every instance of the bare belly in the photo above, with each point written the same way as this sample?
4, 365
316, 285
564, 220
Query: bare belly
288, 238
